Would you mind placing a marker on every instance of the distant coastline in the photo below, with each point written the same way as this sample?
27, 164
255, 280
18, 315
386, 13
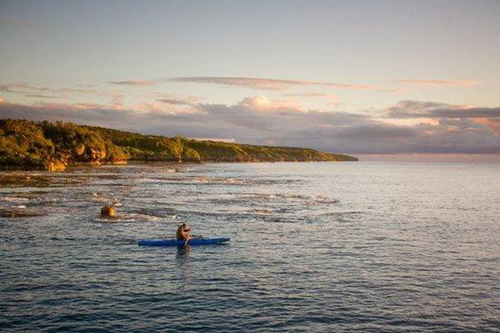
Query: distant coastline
53, 146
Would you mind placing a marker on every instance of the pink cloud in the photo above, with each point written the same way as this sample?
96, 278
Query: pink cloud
137, 83
178, 100
262, 103
432, 83
268, 84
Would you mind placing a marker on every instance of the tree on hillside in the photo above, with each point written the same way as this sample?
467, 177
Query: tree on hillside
178, 147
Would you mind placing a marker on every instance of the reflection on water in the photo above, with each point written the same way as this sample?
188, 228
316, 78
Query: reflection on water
315, 247
183, 255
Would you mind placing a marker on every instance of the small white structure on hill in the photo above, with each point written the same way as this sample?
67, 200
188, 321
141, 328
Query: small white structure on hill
215, 139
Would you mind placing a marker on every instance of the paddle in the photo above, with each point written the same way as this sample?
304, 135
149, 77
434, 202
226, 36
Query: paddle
170, 237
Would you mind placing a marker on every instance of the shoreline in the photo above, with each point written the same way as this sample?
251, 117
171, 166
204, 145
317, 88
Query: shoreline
69, 167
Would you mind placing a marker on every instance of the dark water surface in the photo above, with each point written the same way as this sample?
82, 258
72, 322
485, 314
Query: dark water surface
315, 247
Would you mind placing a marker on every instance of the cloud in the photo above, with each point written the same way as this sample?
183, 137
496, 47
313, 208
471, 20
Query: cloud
40, 96
331, 98
266, 84
492, 123
137, 83
262, 103
34, 91
258, 120
23, 88
12, 88
178, 100
416, 109
174, 101
312, 95
432, 83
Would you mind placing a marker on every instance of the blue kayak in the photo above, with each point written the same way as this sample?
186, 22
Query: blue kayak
174, 242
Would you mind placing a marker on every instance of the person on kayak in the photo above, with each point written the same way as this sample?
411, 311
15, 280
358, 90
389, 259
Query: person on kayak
183, 233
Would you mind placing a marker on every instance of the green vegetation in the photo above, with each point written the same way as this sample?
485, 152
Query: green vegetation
52, 146
23, 143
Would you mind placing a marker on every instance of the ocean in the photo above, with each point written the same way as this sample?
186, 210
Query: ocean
317, 247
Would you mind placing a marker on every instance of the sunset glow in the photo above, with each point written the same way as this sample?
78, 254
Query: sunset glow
330, 66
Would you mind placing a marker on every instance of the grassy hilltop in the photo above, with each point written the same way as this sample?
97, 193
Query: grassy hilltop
53, 146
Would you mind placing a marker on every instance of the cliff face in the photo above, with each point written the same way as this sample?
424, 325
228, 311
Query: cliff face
53, 146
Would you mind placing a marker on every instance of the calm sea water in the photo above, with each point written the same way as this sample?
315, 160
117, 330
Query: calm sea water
317, 247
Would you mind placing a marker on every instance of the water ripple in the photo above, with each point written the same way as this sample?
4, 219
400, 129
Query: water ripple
315, 247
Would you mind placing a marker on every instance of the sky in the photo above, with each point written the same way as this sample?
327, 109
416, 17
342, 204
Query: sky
381, 80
